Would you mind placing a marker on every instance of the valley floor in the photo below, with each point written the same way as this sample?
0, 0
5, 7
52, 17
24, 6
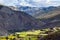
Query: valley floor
43, 34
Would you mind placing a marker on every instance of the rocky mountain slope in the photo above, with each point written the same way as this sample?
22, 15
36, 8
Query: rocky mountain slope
51, 18
12, 21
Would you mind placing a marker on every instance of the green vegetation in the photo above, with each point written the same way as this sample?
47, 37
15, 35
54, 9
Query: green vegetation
43, 34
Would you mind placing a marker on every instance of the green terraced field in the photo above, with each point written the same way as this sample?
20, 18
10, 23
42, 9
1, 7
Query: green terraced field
31, 35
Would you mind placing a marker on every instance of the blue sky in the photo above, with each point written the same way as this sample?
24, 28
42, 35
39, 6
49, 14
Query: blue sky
32, 3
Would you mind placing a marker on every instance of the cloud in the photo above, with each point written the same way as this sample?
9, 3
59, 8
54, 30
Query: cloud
8, 2
53, 3
35, 3
32, 3
1, 1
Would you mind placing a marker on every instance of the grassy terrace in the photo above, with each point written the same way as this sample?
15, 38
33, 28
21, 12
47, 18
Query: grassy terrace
31, 35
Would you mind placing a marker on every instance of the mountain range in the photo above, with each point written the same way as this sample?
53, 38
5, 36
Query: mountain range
13, 20
49, 15
34, 11
28, 18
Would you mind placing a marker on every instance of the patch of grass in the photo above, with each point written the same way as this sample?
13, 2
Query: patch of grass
43, 34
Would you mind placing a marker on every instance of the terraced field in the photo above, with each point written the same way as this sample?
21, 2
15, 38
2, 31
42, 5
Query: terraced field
41, 34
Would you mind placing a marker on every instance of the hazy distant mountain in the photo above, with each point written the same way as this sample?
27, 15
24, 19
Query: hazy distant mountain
46, 11
35, 11
29, 10
11, 21
51, 17
52, 21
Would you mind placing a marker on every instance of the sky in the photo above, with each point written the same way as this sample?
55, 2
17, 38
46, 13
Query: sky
32, 3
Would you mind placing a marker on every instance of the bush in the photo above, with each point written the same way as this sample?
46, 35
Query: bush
53, 36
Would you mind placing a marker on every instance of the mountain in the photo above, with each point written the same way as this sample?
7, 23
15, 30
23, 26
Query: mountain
43, 11
52, 22
51, 17
13, 20
45, 14
27, 9
48, 15
35, 11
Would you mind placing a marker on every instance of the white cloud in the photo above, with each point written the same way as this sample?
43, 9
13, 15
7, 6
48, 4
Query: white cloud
36, 0
53, 3
25, 4
1, 1
37, 3
8, 2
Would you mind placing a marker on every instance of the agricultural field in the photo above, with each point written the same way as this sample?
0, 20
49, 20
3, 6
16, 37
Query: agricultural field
31, 35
